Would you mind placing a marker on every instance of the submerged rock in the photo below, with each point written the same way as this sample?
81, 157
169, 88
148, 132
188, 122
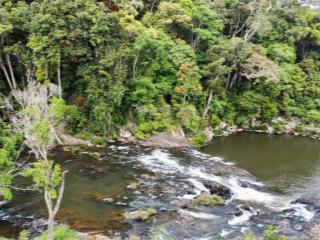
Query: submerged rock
206, 199
92, 172
141, 215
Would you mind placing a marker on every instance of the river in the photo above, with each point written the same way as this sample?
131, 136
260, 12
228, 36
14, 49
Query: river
100, 187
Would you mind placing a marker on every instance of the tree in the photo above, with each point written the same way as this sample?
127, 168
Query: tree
39, 118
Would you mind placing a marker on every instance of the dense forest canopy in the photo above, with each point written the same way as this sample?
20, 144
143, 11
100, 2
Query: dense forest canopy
160, 64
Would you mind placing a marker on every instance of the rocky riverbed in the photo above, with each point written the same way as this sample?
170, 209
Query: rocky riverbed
131, 190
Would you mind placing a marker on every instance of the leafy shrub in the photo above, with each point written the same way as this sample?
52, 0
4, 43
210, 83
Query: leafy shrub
215, 120
269, 109
198, 139
75, 120
278, 126
281, 53
312, 116
299, 128
189, 118
269, 234
249, 103
147, 129
61, 232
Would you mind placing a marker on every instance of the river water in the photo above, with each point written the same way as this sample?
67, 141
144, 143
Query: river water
283, 168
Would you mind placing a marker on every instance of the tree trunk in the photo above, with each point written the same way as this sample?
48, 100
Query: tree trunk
52, 211
59, 76
6, 74
13, 80
50, 227
206, 109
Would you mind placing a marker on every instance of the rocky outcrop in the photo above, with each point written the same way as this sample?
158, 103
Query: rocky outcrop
69, 140
127, 133
173, 139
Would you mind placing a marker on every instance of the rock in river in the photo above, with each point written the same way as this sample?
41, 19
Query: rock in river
141, 215
218, 189
209, 200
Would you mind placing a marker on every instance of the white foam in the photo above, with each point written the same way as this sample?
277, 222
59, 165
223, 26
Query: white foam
200, 215
198, 185
225, 233
162, 161
238, 220
302, 211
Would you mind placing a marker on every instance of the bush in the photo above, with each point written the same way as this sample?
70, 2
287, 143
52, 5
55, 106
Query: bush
189, 118
278, 126
147, 129
269, 109
299, 128
75, 120
61, 232
215, 120
269, 234
281, 53
312, 116
249, 103
198, 139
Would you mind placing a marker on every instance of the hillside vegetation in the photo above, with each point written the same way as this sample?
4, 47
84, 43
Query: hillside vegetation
162, 64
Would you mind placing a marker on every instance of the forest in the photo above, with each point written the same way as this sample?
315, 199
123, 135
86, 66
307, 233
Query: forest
87, 68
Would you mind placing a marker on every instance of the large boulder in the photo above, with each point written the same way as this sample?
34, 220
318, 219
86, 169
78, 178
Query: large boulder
173, 139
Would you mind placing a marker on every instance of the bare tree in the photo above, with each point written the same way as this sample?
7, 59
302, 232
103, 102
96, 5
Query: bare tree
32, 113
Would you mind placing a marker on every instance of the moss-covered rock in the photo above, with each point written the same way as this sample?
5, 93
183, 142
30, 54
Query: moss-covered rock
141, 215
206, 199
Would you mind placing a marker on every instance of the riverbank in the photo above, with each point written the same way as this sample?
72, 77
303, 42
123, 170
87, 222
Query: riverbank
177, 138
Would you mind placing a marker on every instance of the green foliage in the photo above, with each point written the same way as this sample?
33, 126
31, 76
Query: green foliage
198, 139
278, 126
312, 116
75, 119
189, 118
46, 176
9, 145
269, 234
147, 129
215, 120
61, 232
281, 53
249, 103
146, 61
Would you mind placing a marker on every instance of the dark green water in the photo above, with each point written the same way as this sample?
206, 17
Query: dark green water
286, 163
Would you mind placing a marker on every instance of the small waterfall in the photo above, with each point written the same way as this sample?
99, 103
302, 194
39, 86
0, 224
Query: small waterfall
162, 161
